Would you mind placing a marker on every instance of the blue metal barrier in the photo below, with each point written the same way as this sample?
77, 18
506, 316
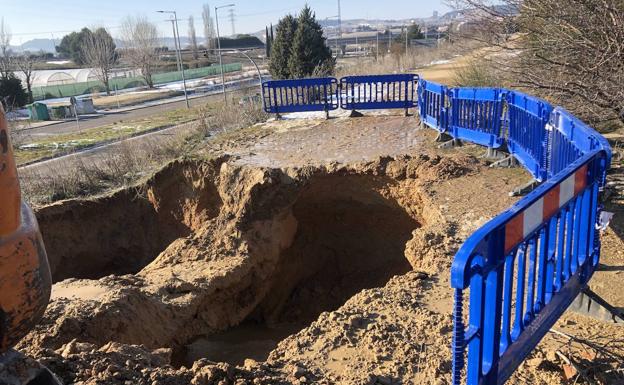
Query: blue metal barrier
476, 115
569, 139
379, 92
432, 99
300, 95
550, 238
526, 137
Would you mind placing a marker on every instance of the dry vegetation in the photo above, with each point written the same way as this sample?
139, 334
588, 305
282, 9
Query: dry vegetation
129, 166
417, 59
569, 53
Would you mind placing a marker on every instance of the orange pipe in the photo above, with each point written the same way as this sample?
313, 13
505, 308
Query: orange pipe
10, 196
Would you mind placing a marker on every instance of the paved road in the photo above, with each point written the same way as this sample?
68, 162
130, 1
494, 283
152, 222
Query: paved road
86, 123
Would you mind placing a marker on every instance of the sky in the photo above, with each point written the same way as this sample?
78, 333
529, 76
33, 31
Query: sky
29, 19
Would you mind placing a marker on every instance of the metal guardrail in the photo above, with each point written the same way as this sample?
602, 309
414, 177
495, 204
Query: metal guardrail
300, 95
379, 92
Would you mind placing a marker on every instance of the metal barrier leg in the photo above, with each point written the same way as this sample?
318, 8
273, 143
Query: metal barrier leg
451, 143
492, 153
278, 116
442, 136
591, 304
507, 162
524, 189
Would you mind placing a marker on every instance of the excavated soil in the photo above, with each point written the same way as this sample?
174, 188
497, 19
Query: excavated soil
263, 261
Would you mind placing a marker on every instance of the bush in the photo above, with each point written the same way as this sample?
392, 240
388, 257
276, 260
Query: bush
476, 74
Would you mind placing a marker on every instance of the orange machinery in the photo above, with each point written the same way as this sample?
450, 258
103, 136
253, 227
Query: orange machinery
25, 281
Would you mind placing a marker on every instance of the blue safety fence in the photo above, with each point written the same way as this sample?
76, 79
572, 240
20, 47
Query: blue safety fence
520, 271
476, 115
300, 95
523, 269
569, 139
350, 93
432, 103
379, 92
526, 137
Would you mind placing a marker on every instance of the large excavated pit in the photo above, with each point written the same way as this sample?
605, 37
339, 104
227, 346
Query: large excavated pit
349, 237
340, 232
220, 262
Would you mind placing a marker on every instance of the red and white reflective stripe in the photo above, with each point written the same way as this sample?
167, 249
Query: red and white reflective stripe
520, 226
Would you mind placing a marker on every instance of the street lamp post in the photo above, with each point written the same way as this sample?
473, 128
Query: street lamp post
176, 38
175, 43
219, 49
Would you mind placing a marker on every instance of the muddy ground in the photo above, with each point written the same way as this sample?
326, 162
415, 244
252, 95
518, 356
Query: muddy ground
292, 252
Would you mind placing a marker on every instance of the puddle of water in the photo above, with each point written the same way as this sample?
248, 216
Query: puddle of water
248, 340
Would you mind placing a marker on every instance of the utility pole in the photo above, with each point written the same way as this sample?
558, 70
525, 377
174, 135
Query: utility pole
377, 52
339, 21
219, 49
176, 38
406, 39
232, 20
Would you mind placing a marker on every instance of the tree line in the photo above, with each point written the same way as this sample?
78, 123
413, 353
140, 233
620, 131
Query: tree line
96, 48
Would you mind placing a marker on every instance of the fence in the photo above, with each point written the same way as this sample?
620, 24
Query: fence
475, 115
83, 88
521, 270
349, 93
527, 117
299, 95
432, 105
379, 92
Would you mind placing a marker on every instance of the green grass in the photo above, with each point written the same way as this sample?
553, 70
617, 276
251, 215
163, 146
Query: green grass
67, 143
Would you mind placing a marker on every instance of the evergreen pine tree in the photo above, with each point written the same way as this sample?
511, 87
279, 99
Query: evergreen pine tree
272, 37
281, 47
309, 54
267, 45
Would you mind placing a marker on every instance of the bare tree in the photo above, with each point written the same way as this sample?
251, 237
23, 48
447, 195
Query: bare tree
98, 51
25, 64
209, 28
140, 39
193, 36
570, 52
5, 54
